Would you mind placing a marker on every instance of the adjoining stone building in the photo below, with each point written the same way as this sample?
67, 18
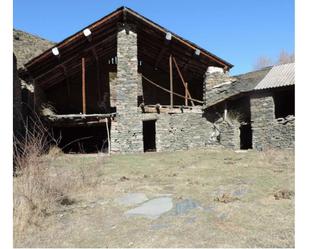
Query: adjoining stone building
254, 110
126, 84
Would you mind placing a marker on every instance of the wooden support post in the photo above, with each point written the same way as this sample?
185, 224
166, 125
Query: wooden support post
84, 85
186, 94
225, 111
108, 138
171, 81
183, 81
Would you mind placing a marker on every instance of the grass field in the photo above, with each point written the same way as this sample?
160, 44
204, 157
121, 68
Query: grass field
235, 193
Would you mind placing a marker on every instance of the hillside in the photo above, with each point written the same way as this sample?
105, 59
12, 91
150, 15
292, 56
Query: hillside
27, 46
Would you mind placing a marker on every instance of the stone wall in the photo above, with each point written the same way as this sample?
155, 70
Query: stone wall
183, 131
269, 132
173, 132
215, 82
128, 79
127, 133
229, 135
126, 129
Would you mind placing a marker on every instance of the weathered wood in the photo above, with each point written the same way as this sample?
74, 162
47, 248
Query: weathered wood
167, 109
77, 36
168, 91
171, 81
75, 57
225, 111
183, 81
108, 138
186, 94
187, 44
83, 85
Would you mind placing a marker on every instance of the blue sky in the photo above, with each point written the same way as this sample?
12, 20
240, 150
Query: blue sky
238, 31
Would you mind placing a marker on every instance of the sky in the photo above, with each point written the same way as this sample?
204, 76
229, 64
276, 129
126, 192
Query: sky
238, 31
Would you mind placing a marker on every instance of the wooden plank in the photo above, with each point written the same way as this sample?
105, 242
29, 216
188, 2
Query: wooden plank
108, 137
186, 94
171, 81
84, 85
182, 80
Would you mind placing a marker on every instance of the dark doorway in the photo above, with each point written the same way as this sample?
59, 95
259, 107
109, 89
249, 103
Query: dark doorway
149, 135
284, 102
91, 139
245, 137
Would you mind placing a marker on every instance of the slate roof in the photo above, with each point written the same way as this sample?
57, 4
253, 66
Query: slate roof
241, 84
278, 76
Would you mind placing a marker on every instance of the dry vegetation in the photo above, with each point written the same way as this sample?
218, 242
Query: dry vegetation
265, 61
63, 200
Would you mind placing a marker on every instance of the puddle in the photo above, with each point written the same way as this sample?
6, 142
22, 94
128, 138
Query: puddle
131, 199
152, 209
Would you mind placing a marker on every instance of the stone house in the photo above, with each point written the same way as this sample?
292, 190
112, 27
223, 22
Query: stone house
125, 84
254, 110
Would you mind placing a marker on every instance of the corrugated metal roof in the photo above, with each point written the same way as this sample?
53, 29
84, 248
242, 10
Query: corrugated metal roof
278, 76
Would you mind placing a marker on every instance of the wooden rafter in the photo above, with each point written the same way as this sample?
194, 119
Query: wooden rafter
76, 57
84, 85
171, 80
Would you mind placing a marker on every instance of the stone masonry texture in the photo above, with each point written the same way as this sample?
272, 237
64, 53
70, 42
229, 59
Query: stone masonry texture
173, 131
267, 132
126, 130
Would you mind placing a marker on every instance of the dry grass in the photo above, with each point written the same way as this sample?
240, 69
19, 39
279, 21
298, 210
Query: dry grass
234, 117
91, 183
34, 193
39, 189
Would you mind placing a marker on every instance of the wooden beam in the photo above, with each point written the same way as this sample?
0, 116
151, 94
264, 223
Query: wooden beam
75, 57
108, 137
178, 38
84, 85
168, 91
186, 94
182, 80
76, 36
171, 80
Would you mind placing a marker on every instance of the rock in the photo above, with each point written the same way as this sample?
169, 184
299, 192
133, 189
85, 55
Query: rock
152, 209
